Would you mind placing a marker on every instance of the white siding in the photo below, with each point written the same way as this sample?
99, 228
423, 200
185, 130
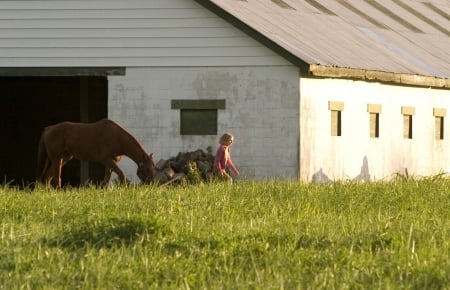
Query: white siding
122, 33
355, 155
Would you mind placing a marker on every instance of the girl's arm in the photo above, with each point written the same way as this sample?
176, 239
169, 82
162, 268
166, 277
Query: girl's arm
232, 167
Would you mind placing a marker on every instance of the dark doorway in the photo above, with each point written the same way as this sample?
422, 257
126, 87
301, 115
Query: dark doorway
31, 103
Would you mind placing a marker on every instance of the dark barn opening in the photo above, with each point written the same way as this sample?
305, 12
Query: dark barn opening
30, 103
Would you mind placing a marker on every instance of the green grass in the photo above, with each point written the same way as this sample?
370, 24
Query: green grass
266, 235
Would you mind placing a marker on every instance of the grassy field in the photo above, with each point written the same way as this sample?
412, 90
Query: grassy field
266, 235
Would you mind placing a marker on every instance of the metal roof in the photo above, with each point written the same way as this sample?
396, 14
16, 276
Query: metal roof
405, 41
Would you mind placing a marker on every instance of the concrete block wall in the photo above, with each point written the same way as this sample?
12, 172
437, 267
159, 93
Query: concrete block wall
355, 155
262, 109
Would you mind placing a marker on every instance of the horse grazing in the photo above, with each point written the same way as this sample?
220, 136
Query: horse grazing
103, 141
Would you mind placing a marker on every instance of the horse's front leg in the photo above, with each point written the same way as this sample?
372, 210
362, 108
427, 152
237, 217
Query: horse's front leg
110, 167
122, 177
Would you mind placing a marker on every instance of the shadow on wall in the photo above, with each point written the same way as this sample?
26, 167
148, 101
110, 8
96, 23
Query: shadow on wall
364, 175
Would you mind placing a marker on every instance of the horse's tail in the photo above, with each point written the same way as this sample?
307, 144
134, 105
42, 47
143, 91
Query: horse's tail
42, 161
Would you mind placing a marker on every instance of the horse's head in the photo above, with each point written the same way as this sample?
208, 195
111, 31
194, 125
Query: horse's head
146, 169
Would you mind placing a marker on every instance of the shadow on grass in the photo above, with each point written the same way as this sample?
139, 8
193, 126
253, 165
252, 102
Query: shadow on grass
107, 233
373, 242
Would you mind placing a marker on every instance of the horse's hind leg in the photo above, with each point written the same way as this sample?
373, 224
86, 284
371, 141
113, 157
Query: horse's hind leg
42, 174
107, 177
55, 172
47, 174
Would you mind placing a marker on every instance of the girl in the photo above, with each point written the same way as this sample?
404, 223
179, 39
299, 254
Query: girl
223, 158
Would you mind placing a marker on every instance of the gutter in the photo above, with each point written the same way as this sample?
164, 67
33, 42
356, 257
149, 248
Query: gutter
378, 76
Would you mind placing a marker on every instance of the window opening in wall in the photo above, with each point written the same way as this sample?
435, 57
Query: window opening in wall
336, 109
407, 126
198, 117
374, 125
439, 116
198, 122
336, 123
439, 128
408, 113
374, 119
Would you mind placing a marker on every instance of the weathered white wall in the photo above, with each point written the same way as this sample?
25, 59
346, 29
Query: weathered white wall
262, 107
171, 50
354, 155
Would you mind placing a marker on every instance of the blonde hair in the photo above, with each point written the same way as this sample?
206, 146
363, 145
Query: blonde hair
225, 138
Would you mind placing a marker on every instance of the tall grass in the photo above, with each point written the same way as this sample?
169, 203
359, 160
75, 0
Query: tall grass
266, 235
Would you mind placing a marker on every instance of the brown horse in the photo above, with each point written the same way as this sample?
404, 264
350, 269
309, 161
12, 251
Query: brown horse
103, 141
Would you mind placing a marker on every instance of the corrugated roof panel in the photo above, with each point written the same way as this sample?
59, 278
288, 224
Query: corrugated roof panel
363, 12
396, 15
429, 25
395, 36
414, 58
320, 7
439, 10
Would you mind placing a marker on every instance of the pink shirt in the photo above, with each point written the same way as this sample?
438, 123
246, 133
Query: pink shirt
223, 158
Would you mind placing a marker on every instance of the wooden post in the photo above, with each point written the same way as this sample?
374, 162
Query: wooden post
84, 118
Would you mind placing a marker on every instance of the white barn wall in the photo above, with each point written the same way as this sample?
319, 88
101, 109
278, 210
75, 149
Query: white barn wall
262, 108
354, 155
170, 50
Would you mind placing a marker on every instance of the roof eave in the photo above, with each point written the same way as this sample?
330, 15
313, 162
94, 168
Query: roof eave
258, 36
378, 76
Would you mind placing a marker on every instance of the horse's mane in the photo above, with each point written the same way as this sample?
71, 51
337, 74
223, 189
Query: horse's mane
126, 132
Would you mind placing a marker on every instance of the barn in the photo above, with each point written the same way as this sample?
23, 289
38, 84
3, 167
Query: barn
313, 90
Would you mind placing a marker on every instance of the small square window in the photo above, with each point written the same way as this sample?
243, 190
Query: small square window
198, 117
198, 122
